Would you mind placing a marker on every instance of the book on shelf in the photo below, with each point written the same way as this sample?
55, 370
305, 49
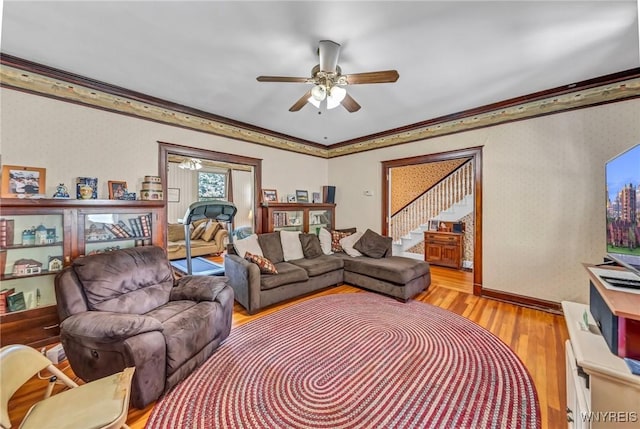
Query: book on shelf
126, 228
110, 228
134, 227
146, 225
16, 302
4, 293
121, 231
7, 228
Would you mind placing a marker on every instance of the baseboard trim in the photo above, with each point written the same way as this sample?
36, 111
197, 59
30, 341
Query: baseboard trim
524, 301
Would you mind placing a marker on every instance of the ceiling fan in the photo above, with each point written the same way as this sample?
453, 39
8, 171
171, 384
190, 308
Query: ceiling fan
329, 82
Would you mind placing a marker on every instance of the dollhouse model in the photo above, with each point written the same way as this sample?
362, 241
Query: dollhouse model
25, 267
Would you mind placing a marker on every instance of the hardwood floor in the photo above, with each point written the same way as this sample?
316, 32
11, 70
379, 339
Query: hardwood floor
535, 336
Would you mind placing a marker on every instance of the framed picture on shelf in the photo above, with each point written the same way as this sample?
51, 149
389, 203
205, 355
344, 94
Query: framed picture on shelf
173, 195
269, 196
433, 225
316, 198
21, 182
117, 189
302, 196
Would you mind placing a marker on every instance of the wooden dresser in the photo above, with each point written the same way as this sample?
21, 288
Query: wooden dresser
444, 248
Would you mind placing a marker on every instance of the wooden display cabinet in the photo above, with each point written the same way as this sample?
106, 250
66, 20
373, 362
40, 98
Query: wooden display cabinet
304, 217
63, 229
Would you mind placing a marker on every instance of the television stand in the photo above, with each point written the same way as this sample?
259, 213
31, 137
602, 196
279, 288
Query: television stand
621, 282
601, 391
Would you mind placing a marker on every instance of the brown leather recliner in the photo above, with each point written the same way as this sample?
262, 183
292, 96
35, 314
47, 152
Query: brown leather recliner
124, 308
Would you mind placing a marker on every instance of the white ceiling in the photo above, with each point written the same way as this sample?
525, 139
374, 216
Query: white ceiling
451, 55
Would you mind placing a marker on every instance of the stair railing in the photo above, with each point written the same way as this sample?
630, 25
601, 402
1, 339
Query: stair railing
440, 197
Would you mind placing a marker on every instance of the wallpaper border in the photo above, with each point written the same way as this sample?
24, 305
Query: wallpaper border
32, 82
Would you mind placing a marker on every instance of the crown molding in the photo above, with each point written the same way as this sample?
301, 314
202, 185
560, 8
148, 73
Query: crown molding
26, 76
34, 78
499, 113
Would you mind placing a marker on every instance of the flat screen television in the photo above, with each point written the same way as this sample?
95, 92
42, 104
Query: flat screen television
623, 210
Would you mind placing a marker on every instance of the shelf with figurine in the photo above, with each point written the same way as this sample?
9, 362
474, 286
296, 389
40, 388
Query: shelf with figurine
27, 267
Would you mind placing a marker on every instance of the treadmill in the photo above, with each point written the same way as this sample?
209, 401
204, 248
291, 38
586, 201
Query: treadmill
221, 211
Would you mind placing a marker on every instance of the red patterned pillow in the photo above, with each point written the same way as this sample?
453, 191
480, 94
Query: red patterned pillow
266, 266
336, 236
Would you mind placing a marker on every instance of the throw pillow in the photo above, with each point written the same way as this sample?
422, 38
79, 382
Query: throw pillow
249, 244
211, 230
310, 246
198, 231
325, 241
197, 222
271, 246
336, 236
291, 246
265, 265
372, 244
347, 244
175, 232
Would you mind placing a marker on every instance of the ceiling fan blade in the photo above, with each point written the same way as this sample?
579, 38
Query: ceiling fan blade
301, 102
283, 79
350, 104
372, 77
328, 52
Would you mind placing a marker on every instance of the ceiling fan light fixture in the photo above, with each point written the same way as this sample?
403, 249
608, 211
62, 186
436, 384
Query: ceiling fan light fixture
313, 101
191, 164
335, 97
332, 102
319, 92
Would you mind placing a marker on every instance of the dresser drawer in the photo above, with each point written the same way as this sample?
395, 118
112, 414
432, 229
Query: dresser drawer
441, 238
35, 328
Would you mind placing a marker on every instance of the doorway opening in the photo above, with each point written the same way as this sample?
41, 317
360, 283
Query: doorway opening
214, 175
393, 204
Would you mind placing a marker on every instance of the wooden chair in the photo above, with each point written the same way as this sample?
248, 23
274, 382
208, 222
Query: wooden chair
103, 403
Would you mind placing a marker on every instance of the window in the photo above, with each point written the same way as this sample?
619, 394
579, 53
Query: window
212, 186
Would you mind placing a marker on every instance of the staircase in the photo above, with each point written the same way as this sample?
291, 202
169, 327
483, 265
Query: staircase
453, 214
450, 200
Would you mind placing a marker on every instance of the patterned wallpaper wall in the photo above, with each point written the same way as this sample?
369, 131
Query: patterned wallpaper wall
184, 180
70, 140
411, 181
543, 196
543, 178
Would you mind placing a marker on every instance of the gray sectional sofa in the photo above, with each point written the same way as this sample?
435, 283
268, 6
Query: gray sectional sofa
396, 276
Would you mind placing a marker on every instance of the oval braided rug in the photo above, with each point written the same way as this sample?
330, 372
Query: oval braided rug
356, 360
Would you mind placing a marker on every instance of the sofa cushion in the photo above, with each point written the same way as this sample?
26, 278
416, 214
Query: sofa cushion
372, 244
249, 244
348, 242
394, 269
175, 232
265, 265
310, 246
134, 280
287, 273
107, 327
198, 288
186, 329
291, 246
325, 241
320, 265
210, 231
271, 246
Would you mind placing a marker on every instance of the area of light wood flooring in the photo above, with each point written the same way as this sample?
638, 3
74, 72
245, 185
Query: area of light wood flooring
535, 336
